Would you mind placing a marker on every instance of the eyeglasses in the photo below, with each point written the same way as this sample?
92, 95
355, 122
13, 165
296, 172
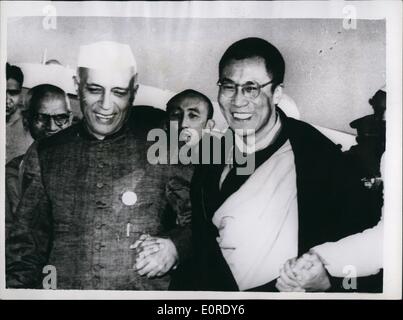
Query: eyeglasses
13, 92
250, 90
60, 119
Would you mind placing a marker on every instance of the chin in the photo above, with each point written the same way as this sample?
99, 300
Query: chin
238, 126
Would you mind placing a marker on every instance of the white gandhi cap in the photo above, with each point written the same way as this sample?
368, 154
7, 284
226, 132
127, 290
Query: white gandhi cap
106, 55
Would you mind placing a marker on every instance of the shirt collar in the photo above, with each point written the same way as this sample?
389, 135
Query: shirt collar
14, 118
252, 145
85, 133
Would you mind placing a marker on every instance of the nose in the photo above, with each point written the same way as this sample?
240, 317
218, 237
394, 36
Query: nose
106, 103
239, 99
184, 122
52, 125
8, 99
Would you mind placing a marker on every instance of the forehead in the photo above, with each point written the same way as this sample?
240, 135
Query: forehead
13, 84
108, 77
52, 105
250, 69
192, 104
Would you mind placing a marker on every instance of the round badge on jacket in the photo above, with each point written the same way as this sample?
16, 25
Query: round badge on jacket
129, 198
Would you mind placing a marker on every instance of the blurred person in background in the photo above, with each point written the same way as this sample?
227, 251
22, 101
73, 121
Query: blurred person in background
18, 139
48, 111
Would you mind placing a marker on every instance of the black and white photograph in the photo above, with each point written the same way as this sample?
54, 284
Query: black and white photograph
197, 149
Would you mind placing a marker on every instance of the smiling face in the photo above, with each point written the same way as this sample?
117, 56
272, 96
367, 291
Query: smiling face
52, 115
105, 98
243, 113
192, 116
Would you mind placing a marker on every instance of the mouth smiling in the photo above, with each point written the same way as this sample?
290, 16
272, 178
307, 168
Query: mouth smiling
242, 116
104, 118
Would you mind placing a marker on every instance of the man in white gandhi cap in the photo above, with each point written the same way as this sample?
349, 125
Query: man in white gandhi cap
94, 207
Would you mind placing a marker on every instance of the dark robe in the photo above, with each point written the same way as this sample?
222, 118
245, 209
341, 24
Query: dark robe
331, 204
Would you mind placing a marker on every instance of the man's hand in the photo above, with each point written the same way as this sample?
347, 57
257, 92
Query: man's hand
305, 274
155, 256
288, 282
313, 276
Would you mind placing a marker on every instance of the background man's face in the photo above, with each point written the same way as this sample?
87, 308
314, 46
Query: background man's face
191, 114
14, 97
52, 115
239, 111
105, 98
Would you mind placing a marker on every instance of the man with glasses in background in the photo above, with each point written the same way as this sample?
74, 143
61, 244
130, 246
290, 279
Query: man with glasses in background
48, 111
301, 192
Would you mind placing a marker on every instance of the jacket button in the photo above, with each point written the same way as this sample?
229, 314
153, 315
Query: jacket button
98, 246
98, 267
96, 280
100, 203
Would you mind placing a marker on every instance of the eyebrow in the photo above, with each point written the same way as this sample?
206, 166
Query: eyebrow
67, 113
194, 110
246, 82
227, 80
93, 85
99, 86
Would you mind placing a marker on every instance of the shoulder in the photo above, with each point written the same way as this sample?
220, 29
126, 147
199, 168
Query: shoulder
61, 138
305, 137
14, 163
146, 117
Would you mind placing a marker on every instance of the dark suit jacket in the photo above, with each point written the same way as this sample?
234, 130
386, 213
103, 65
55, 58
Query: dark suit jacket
331, 205
72, 214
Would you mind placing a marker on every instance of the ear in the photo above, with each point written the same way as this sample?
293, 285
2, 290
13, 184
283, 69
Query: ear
135, 85
76, 84
210, 124
277, 94
71, 116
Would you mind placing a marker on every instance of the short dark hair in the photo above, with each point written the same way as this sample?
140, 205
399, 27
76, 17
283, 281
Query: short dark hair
256, 47
14, 72
378, 102
190, 93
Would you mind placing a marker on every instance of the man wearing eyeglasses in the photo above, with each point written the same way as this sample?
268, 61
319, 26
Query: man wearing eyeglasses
48, 112
300, 193
17, 138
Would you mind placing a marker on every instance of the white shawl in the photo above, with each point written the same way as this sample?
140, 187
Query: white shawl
258, 224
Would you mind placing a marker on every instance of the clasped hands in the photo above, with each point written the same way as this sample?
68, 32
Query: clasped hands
306, 273
154, 256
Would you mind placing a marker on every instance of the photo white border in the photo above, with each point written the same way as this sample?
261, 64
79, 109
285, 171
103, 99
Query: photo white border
389, 10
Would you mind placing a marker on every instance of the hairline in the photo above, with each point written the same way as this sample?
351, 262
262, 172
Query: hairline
181, 96
49, 95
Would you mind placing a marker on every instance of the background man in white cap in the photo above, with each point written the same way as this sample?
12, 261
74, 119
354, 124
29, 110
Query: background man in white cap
90, 191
